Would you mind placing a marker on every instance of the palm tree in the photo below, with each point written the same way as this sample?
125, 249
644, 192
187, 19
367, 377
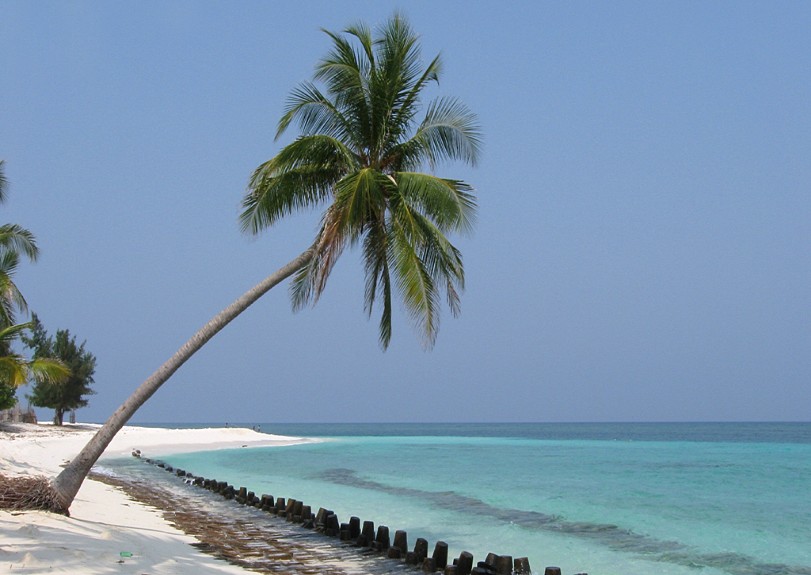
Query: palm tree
11, 300
14, 241
359, 151
14, 369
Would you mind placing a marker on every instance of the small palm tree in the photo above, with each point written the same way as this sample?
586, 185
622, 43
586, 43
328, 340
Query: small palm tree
359, 153
16, 370
14, 241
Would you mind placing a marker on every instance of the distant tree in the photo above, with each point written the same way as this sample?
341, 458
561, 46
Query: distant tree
61, 396
8, 397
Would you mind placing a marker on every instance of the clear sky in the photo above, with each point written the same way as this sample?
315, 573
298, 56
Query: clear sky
643, 247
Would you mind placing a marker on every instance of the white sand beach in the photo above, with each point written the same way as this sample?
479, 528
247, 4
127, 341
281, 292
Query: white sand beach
107, 531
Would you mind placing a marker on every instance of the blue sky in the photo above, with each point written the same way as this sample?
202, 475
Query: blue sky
642, 246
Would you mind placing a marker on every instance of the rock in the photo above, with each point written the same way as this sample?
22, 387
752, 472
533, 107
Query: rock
441, 554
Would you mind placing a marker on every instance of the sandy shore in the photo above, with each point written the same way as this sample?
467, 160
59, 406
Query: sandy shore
108, 532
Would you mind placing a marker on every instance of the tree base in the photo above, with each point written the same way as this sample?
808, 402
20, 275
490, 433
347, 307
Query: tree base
30, 493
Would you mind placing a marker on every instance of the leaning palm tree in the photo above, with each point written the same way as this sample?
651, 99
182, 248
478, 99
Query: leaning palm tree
359, 153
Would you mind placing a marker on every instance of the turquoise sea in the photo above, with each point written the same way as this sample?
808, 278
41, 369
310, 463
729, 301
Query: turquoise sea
606, 499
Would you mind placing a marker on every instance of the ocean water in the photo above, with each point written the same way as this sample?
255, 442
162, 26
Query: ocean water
606, 499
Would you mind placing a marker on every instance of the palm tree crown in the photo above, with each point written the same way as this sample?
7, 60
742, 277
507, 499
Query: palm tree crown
360, 150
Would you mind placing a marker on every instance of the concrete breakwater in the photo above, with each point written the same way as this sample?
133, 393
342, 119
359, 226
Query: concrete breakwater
361, 534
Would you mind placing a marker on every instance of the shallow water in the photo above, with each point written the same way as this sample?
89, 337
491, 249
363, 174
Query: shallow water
599, 498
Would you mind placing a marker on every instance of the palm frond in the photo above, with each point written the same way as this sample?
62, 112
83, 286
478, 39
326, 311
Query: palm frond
274, 197
3, 181
48, 370
319, 150
378, 278
399, 53
360, 199
13, 370
11, 299
397, 70
439, 259
310, 281
9, 333
450, 204
346, 72
415, 285
364, 36
300, 177
315, 114
450, 131
408, 107
443, 262
18, 239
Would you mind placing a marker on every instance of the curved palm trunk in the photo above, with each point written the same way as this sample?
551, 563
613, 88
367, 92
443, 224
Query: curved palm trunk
68, 482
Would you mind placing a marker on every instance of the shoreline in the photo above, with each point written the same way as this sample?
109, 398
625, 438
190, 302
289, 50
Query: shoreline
141, 525
107, 529
247, 537
344, 543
